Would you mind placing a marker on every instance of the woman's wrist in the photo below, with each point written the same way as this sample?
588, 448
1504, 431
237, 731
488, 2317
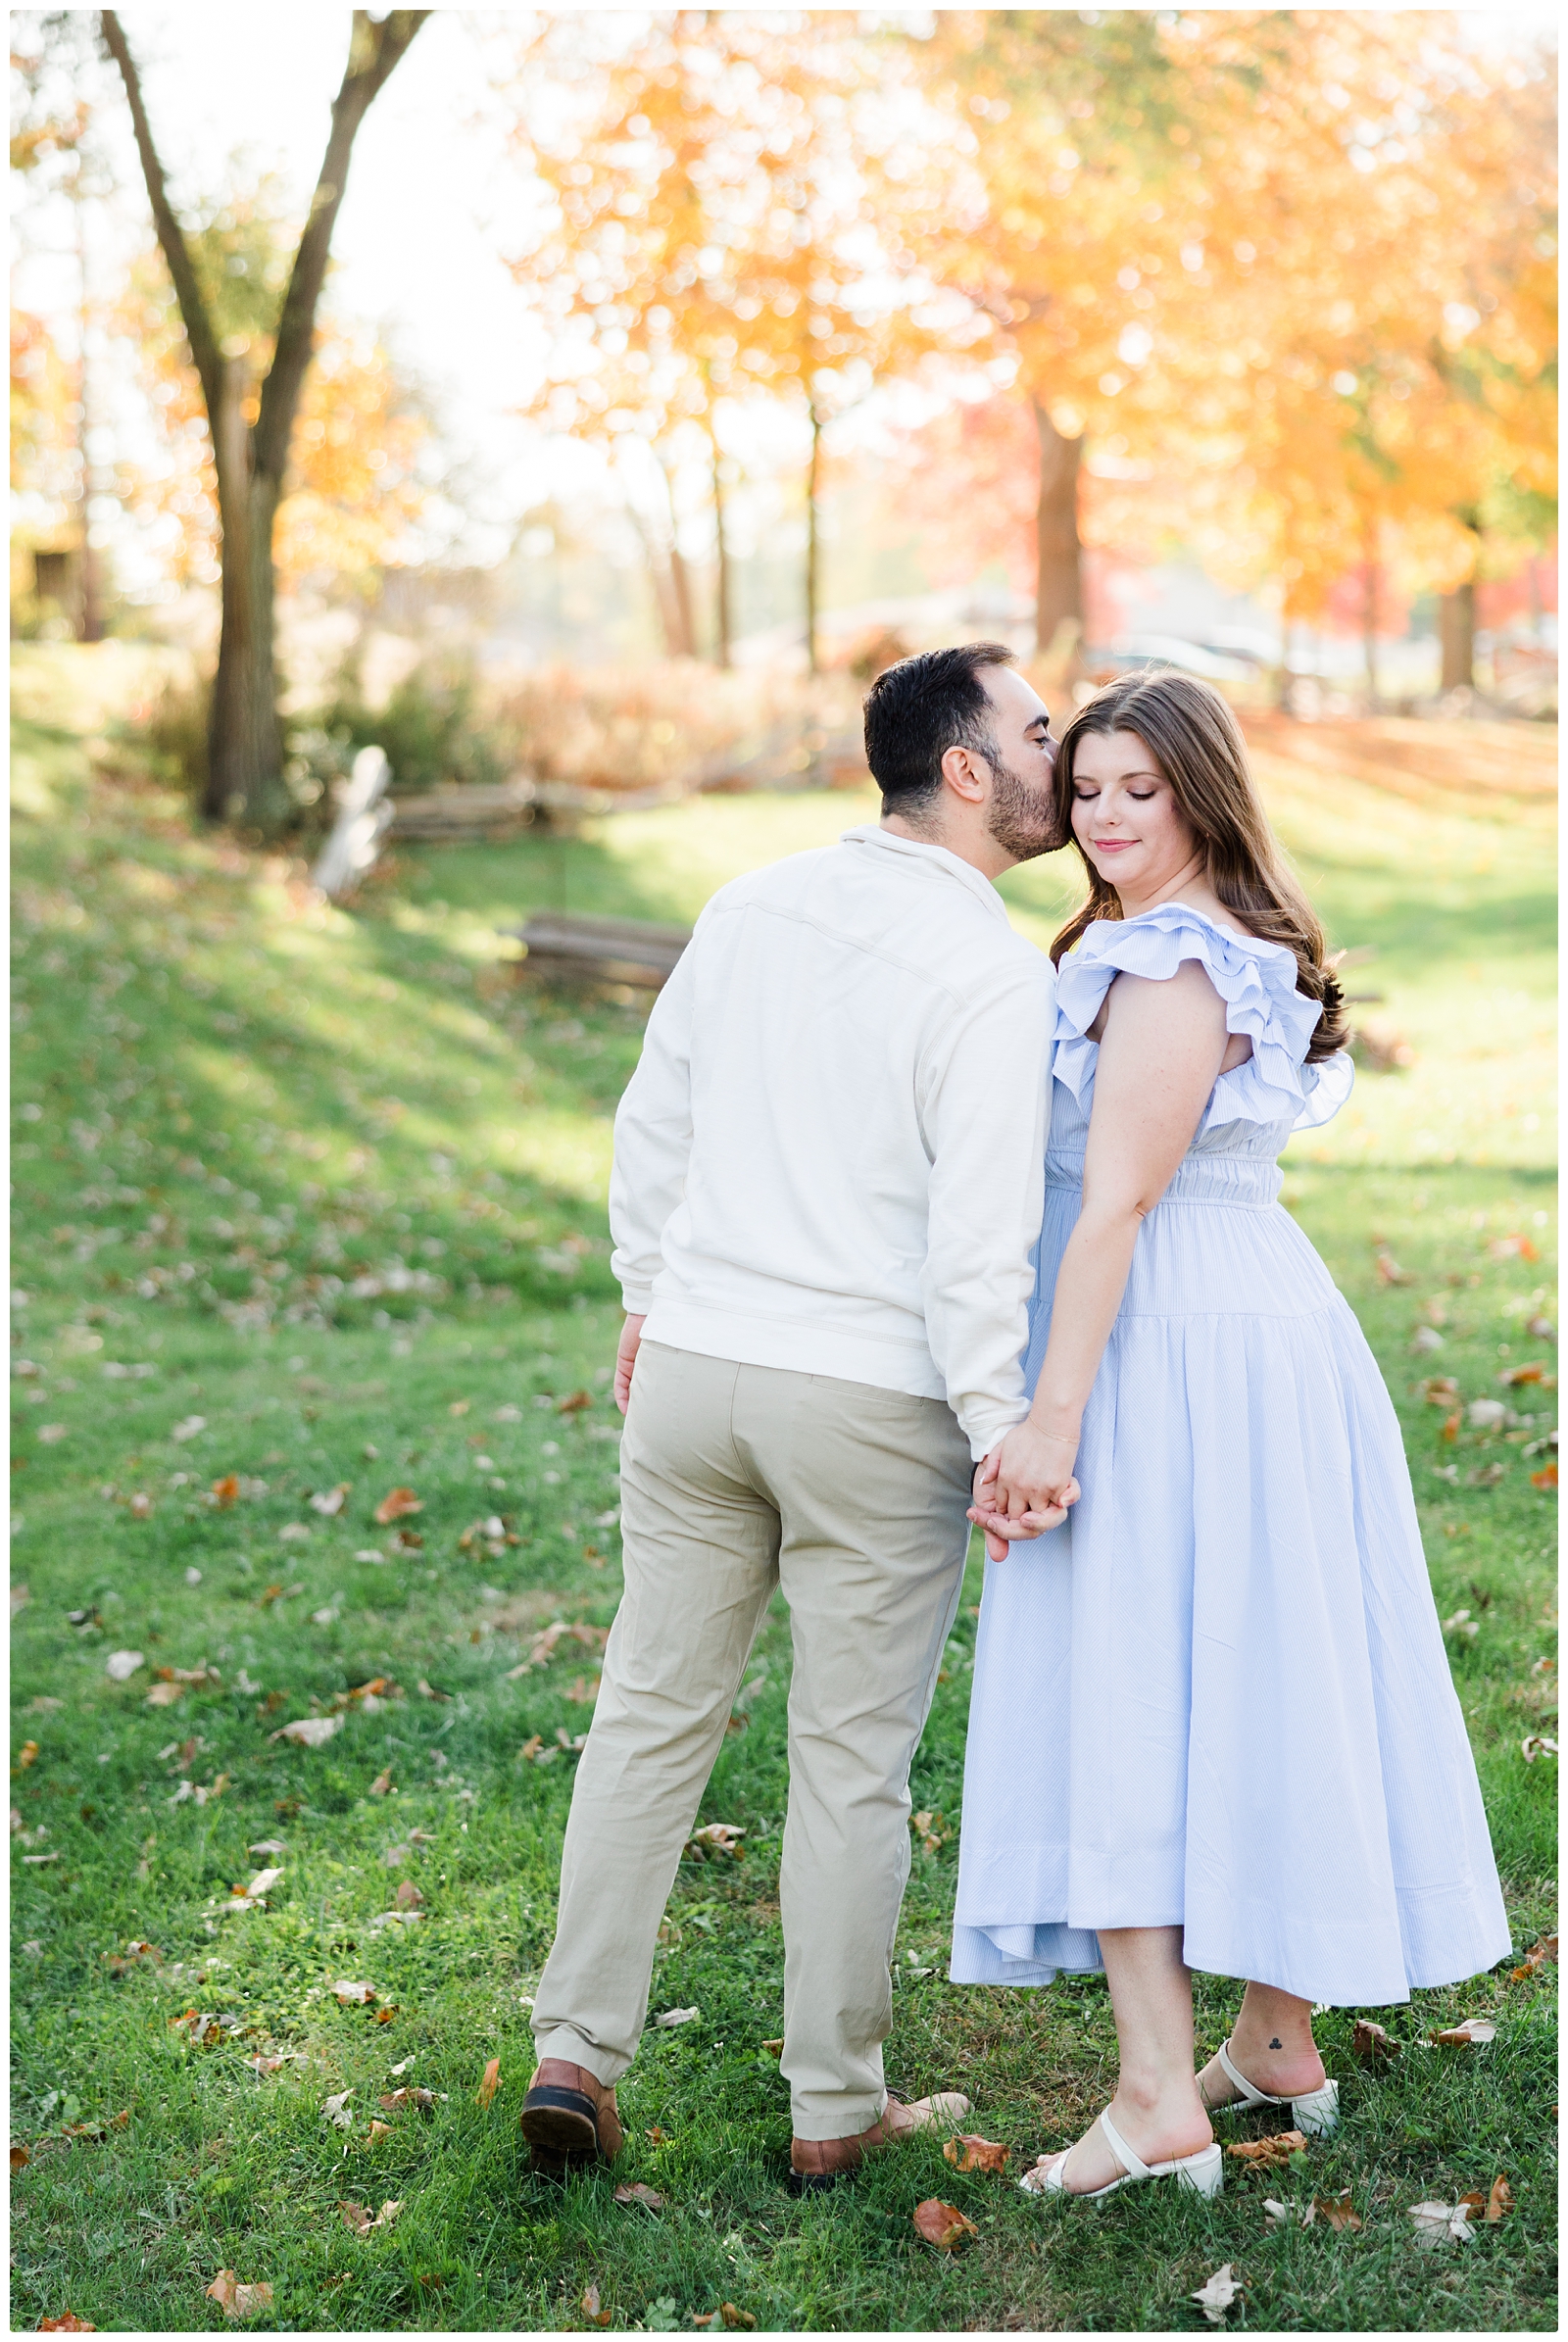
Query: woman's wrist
1054, 1421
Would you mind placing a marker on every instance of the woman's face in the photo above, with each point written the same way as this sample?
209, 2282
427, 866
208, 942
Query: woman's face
1125, 815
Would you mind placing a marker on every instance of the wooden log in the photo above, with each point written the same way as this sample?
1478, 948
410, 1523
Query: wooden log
565, 947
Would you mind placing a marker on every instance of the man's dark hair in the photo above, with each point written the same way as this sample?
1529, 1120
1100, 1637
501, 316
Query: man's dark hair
920, 708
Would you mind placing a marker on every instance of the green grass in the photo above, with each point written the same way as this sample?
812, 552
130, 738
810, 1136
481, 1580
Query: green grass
333, 1178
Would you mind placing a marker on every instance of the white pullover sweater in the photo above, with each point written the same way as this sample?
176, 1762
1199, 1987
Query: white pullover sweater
831, 1156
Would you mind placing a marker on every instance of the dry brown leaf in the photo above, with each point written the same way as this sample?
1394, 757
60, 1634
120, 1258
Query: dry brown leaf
164, 1696
383, 1783
637, 2194
584, 1691
575, 1404
409, 2095
21, 2157
1268, 2152
236, 2300
737, 2320
942, 2224
329, 1501
309, 1731
967, 2153
1472, 2034
354, 1995
775, 2049
27, 1754
407, 1896
592, 2313
357, 2217
1439, 1390
1336, 2209
657, 2137
1534, 1372
387, 2015
1546, 1478
1500, 2201
1371, 2043
1536, 1957
70, 2323
378, 2131
1537, 1744
396, 1503
490, 2082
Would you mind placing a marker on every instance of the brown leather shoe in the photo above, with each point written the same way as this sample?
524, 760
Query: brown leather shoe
570, 2116
822, 2163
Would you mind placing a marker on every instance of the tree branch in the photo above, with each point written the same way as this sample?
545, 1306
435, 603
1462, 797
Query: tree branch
199, 332
374, 50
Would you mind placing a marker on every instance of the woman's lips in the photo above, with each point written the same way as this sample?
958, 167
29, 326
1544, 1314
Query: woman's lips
1112, 845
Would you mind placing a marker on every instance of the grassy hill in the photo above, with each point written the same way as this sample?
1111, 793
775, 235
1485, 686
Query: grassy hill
309, 1208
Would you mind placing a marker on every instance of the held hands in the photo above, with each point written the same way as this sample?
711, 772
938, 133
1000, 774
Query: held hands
1024, 1487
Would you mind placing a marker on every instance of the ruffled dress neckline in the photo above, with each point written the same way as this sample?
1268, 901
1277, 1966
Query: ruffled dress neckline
1255, 980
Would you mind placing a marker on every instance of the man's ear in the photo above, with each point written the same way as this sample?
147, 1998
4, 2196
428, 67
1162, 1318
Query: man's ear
966, 775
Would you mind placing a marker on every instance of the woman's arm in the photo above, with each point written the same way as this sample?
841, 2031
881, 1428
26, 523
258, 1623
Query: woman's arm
1159, 1059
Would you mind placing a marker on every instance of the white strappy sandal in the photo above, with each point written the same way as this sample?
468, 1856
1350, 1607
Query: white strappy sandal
1204, 2172
1317, 2114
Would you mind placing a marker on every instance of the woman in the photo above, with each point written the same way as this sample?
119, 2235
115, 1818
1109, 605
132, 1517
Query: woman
1212, 1722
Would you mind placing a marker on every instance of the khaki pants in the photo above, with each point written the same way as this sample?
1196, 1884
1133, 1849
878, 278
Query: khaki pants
736, 1480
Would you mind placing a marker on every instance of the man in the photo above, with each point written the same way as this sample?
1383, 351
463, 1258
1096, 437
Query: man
828, 1183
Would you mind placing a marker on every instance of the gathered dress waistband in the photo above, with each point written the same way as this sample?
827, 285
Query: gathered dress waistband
1239, 1182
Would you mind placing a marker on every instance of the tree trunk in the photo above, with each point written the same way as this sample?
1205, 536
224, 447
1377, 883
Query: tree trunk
91, 617
1370, 611
813, 546
1456, 636
724, 608
1058, 555
680, 578
244, 745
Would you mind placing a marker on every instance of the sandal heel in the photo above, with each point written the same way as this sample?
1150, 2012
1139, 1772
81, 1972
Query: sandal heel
1317, 2114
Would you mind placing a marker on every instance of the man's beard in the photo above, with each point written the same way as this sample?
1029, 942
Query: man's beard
1021, 819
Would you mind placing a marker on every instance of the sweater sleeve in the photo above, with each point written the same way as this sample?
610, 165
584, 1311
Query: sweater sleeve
985, 1108
652, 1141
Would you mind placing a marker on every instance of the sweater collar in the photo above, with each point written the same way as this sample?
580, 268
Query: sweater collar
951, 865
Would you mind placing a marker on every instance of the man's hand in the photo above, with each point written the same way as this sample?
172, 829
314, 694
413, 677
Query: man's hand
632, 1336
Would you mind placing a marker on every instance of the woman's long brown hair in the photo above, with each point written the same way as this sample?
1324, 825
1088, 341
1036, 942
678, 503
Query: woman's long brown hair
1198, 745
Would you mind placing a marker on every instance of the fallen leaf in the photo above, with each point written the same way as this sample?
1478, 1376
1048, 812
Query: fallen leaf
1336, 2209
1536, 1744
227, 1490
407, 1896
714, 1839
1441, 2223
330, 1500
657, 2137
309, 1731
1371, 2043
164, 1696
236, 2300
584, 1691
637, 2194
381, 1784
737, 2319
409, 2095
1546, 1478
21, 2157
531, 1747
354, 1994
1470, 2035
396, 1503
490, 2082
575, 1404
27, 1754
942, 2224
775, 2049
1451, 1430
673, 2016
589, 2305
357, 2217
120, 1666
70, 2323
1266, 2153
1439, 1390
1282, 2215
378, 2131
967, 2153
335, 2109
1536, 1957
928, 1827
1486, 1414
1215, 2297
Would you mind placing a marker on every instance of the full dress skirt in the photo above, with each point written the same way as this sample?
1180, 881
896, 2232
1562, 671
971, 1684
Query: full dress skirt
1217, 1696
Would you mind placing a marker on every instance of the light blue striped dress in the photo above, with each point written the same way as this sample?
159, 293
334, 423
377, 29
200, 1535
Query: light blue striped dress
1217, 1697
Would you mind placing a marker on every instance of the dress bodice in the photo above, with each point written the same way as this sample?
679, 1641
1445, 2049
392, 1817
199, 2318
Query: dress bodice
1254, 1109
